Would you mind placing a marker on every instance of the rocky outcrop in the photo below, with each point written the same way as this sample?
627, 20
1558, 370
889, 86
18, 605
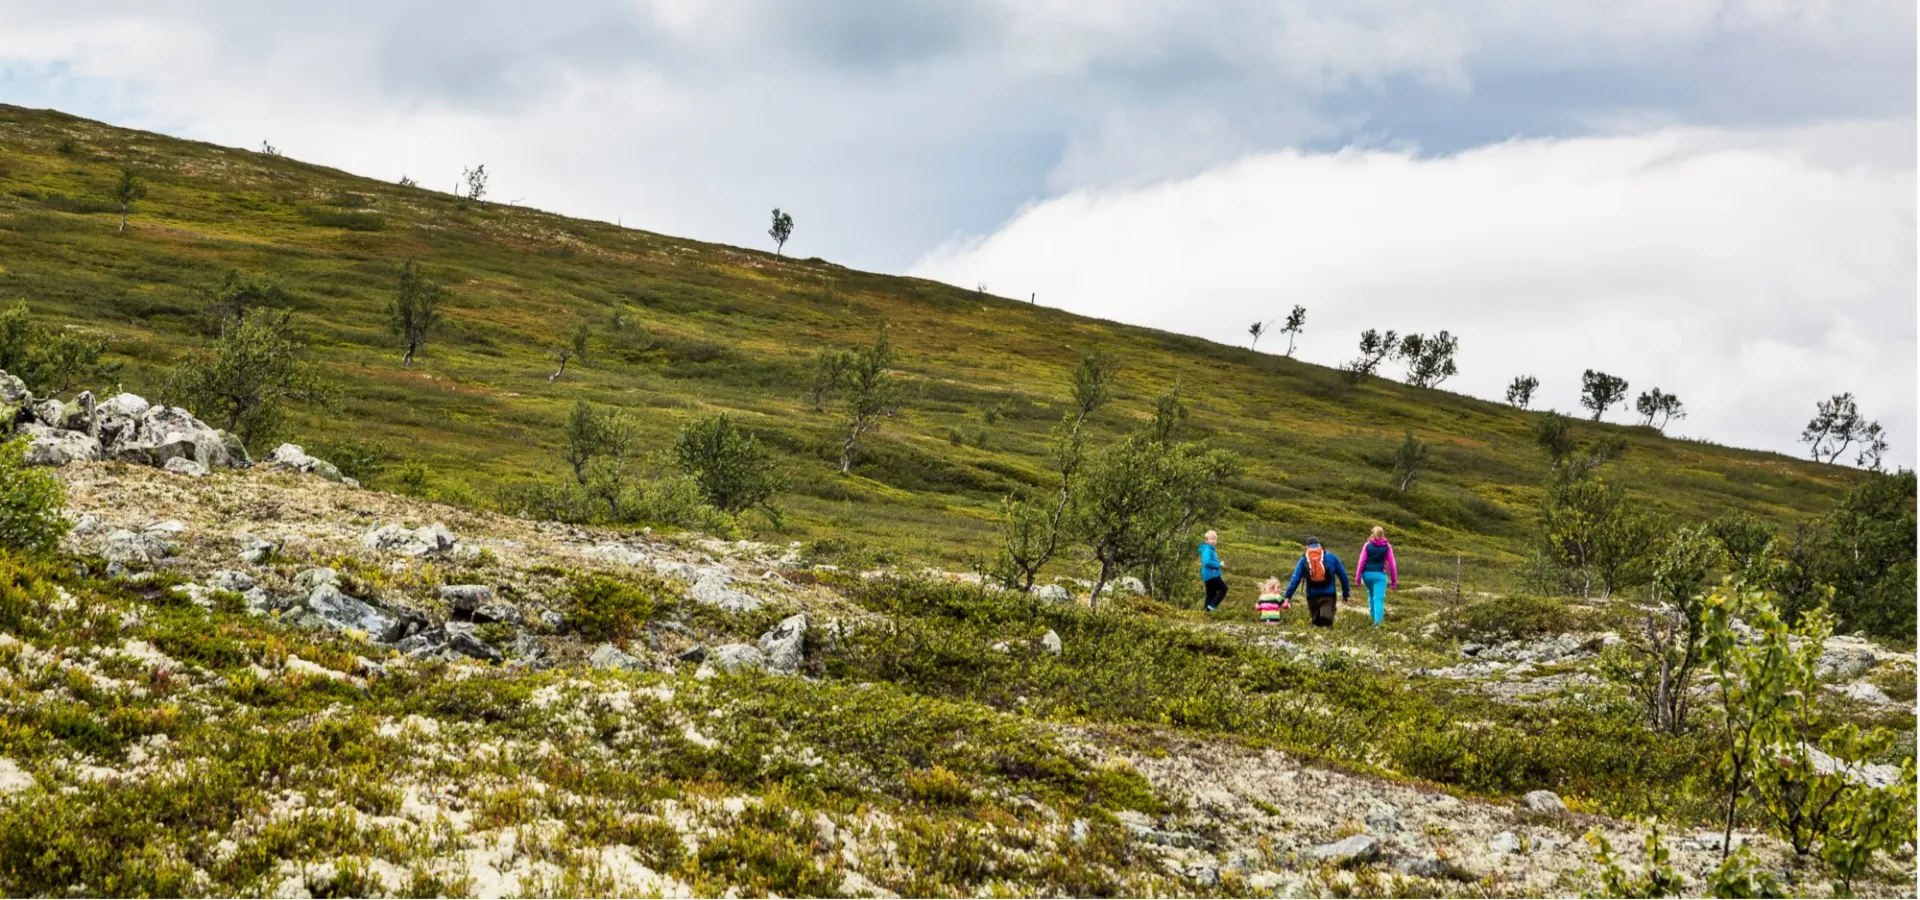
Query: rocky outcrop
426, 542
47, 446
127, 428
294, 458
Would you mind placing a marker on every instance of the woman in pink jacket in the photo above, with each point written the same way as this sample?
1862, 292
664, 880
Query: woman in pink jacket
1377, 571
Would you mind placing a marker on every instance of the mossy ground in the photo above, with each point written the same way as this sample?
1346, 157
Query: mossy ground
935, 746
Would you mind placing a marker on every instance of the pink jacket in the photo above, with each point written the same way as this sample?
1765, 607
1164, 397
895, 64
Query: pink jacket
1360, 564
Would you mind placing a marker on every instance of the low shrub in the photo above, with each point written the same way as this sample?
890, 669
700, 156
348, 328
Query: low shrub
1510, 618
606, 608
31, 503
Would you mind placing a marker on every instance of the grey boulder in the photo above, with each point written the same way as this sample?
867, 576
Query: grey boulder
1543, 802
713, 590
181, 465
53, 447
425, 542
341, 612
293, 457
134, 548
784, 644
1051, 593
611, 658
466, 597
13, 391
255, 550
1356, 849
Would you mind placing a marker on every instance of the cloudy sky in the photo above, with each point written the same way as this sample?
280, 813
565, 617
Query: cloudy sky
1715, 197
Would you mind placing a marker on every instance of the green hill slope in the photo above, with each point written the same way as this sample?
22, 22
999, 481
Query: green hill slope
710, 327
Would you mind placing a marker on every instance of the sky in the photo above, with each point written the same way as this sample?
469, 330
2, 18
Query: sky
1712, 197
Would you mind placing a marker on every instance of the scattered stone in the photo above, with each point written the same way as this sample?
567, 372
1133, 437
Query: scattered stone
230, 580
712, 590
308, 579
426, 542
1873, 775
338, 611
254, 550
667, 568
694, 654
1051, 593
609, 657
1865, 692
1051, 641
1126, 586
1506, 842
1544, 802
1422, 867
1383, 818
166, 527
295, 458
614, 553
181, 465
462, 640
496, 612
128, 548
1356, 849
88, 523
784, 645
466, 597
1846, 657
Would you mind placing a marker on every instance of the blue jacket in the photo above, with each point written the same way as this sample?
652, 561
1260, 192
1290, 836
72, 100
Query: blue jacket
1209, 562
1336, 576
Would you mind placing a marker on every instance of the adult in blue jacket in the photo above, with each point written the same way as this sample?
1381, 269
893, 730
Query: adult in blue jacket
1326, 582
1210, 571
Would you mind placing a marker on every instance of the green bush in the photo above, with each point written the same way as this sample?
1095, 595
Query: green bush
733, 473
606, 608
242, 384
31, 503
359, 458
49, 360
1510, 618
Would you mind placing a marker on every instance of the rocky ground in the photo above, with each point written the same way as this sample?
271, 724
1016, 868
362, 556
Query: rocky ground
467, 805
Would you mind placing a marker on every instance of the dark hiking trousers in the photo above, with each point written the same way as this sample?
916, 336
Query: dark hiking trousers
1323, 608
1216, 592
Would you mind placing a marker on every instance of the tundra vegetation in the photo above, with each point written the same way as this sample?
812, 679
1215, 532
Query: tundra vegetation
1713, 639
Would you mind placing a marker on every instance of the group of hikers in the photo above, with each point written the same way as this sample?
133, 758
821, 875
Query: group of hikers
1326, 579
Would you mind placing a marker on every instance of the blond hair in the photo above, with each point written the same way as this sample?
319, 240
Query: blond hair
1271, 584
1379, 532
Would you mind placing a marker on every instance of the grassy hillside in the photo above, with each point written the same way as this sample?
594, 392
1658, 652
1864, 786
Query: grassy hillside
711, 327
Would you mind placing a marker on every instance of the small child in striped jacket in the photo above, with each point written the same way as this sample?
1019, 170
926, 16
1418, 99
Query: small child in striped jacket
1271, 603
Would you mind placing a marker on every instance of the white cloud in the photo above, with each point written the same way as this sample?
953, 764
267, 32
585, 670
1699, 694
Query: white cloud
887, 126
1751, 272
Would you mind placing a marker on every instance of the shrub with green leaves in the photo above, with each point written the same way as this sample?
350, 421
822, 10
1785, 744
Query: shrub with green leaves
734, 474
31, 503
1510, 618
606, 608
1816, 798
49, 360
243, 382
